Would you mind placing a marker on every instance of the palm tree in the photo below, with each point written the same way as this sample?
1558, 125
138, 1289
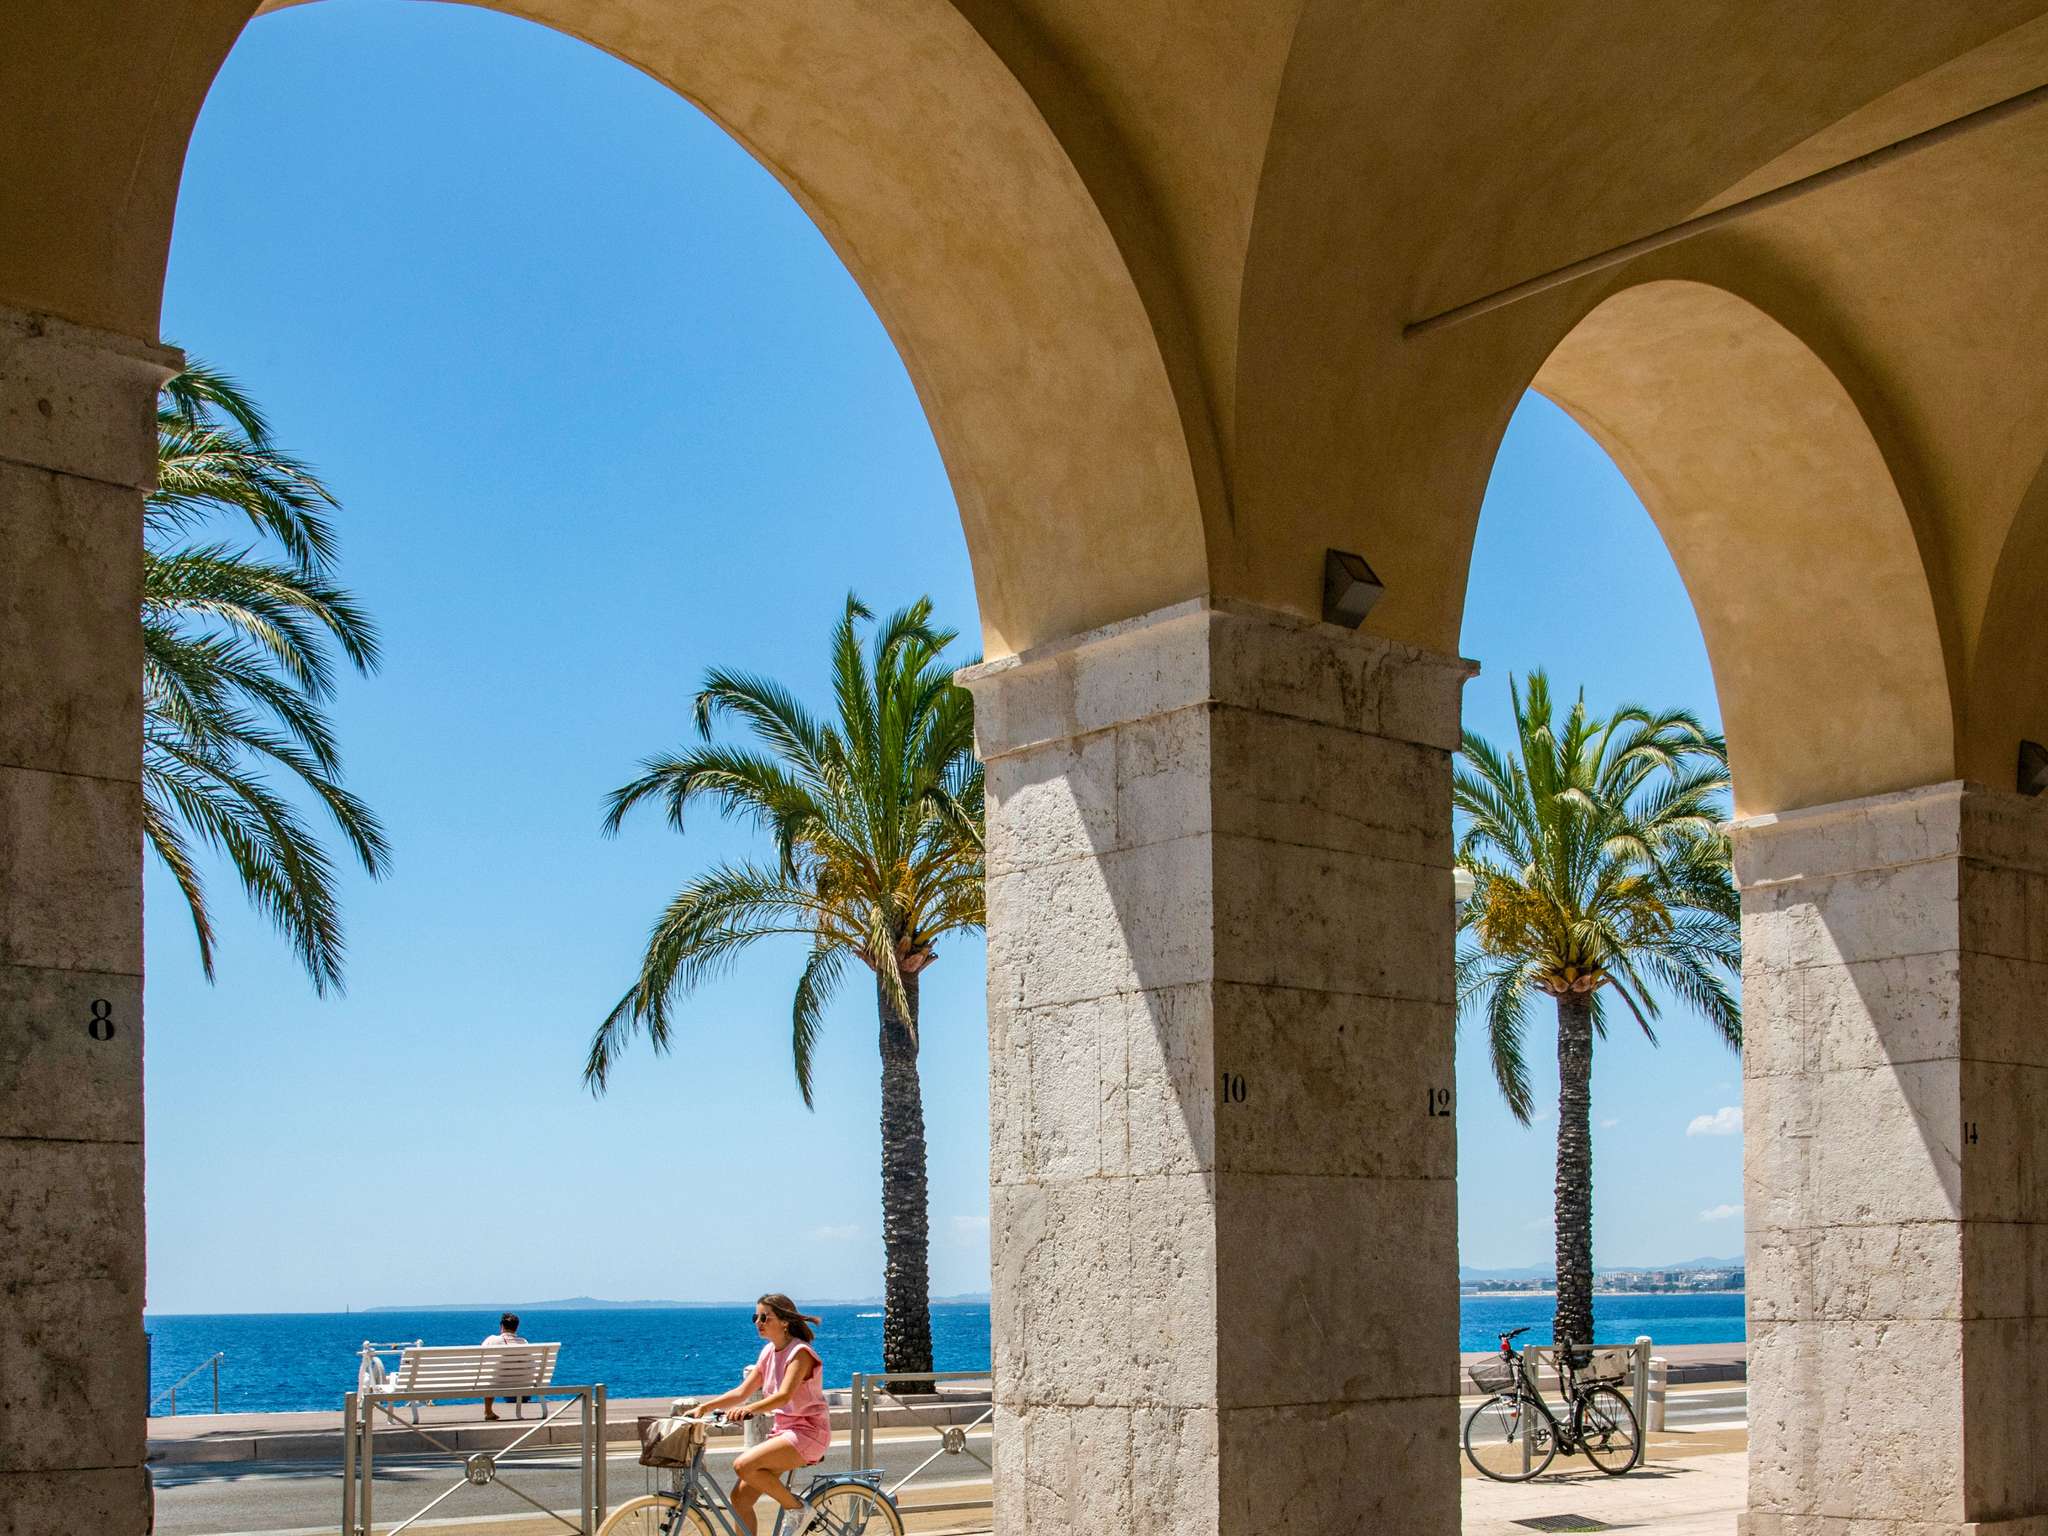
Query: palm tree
1597, 867
236, 669
877, 827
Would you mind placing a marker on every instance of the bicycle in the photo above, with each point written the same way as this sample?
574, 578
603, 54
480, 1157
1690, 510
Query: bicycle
847, 1503
1513, 1435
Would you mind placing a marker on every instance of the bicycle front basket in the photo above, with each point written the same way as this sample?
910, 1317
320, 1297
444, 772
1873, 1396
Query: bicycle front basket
670, 1442
1492, 1375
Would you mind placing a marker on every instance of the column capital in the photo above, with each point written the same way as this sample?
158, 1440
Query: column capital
80, 401
1950, 820
1215, 651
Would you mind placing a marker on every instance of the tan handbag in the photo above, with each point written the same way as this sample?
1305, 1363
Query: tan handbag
673, 1441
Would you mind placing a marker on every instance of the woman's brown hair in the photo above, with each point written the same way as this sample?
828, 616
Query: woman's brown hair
799, 1322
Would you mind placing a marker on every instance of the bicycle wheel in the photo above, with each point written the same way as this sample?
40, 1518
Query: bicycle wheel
654, 1514
1605, 1427
1507, 1440
850, 1507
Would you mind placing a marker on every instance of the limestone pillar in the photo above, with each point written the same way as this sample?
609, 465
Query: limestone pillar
1895, 1081
1224, 1209
77, 449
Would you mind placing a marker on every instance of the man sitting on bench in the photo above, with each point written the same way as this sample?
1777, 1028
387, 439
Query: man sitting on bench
508, 1333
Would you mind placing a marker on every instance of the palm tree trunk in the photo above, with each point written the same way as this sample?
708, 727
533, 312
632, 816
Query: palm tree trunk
906, 1217
1574, 1321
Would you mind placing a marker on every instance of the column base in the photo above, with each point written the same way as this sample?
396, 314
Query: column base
1755, 1523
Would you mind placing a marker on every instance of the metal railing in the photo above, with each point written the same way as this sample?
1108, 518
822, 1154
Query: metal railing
479, 1469
1543, 1357
1538, 1357
212, 1363
951, 1416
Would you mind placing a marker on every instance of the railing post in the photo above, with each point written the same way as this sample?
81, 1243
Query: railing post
863, 1425
602, 1412
367, 1468
216, 1381
1641, 1373
1660, 1386
348, 1465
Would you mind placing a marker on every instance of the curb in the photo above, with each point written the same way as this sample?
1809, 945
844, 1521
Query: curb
404, 1440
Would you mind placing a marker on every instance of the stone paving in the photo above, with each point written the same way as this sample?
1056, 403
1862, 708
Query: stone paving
1687, 1495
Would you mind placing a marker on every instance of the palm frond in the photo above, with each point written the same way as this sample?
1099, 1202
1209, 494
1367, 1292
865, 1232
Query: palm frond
1596, 861
814, 988
236, 665
876, 817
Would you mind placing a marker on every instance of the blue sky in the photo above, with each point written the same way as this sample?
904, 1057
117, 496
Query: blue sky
604, 409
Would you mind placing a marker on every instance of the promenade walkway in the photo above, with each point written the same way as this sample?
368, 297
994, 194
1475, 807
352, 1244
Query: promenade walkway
1692, 1484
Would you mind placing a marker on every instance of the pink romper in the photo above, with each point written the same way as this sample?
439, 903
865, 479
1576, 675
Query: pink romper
804, 1418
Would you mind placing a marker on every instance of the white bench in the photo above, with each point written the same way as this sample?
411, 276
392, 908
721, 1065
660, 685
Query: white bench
460, 1370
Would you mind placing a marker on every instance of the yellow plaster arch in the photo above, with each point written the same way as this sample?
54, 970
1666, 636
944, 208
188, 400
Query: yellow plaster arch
2008, 699
1788, 531
920, 157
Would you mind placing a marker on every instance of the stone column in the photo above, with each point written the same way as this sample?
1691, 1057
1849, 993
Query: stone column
77, 450
1895, 1079
1224, 1209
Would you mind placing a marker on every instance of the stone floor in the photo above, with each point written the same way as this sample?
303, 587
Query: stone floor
1691, 1495
1693, 1485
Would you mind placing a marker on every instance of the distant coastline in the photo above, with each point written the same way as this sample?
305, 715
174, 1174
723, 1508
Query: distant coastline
597, 1304
1468, 1290
1600, 1291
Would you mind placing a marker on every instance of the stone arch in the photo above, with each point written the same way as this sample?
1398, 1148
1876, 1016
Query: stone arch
2008, 689
1788, 530
920, 157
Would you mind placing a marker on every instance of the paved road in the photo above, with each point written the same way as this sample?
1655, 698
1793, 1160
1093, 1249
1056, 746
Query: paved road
1707, 1407
203, 1500
1687, 1408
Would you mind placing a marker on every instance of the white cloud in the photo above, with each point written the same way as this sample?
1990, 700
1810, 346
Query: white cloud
1725, 1121
1608, 1125
1721, 1213
840, 1234
969, 1233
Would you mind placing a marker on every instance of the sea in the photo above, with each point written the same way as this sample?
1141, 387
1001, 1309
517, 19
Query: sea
285, 1361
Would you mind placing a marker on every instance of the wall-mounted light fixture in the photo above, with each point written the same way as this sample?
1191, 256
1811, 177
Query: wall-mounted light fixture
1349, 588
2033, 768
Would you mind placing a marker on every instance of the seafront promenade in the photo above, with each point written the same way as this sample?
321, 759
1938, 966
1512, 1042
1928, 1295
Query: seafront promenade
279, 1474
316, 1434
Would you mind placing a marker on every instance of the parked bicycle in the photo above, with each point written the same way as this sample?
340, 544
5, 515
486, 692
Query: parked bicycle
846, 1503
1513, 1435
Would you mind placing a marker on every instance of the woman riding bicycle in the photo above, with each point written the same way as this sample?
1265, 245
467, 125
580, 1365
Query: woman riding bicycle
789, 1375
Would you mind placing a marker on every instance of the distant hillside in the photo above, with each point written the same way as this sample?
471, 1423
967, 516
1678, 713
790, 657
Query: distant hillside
1548, 1271
1734, 1263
